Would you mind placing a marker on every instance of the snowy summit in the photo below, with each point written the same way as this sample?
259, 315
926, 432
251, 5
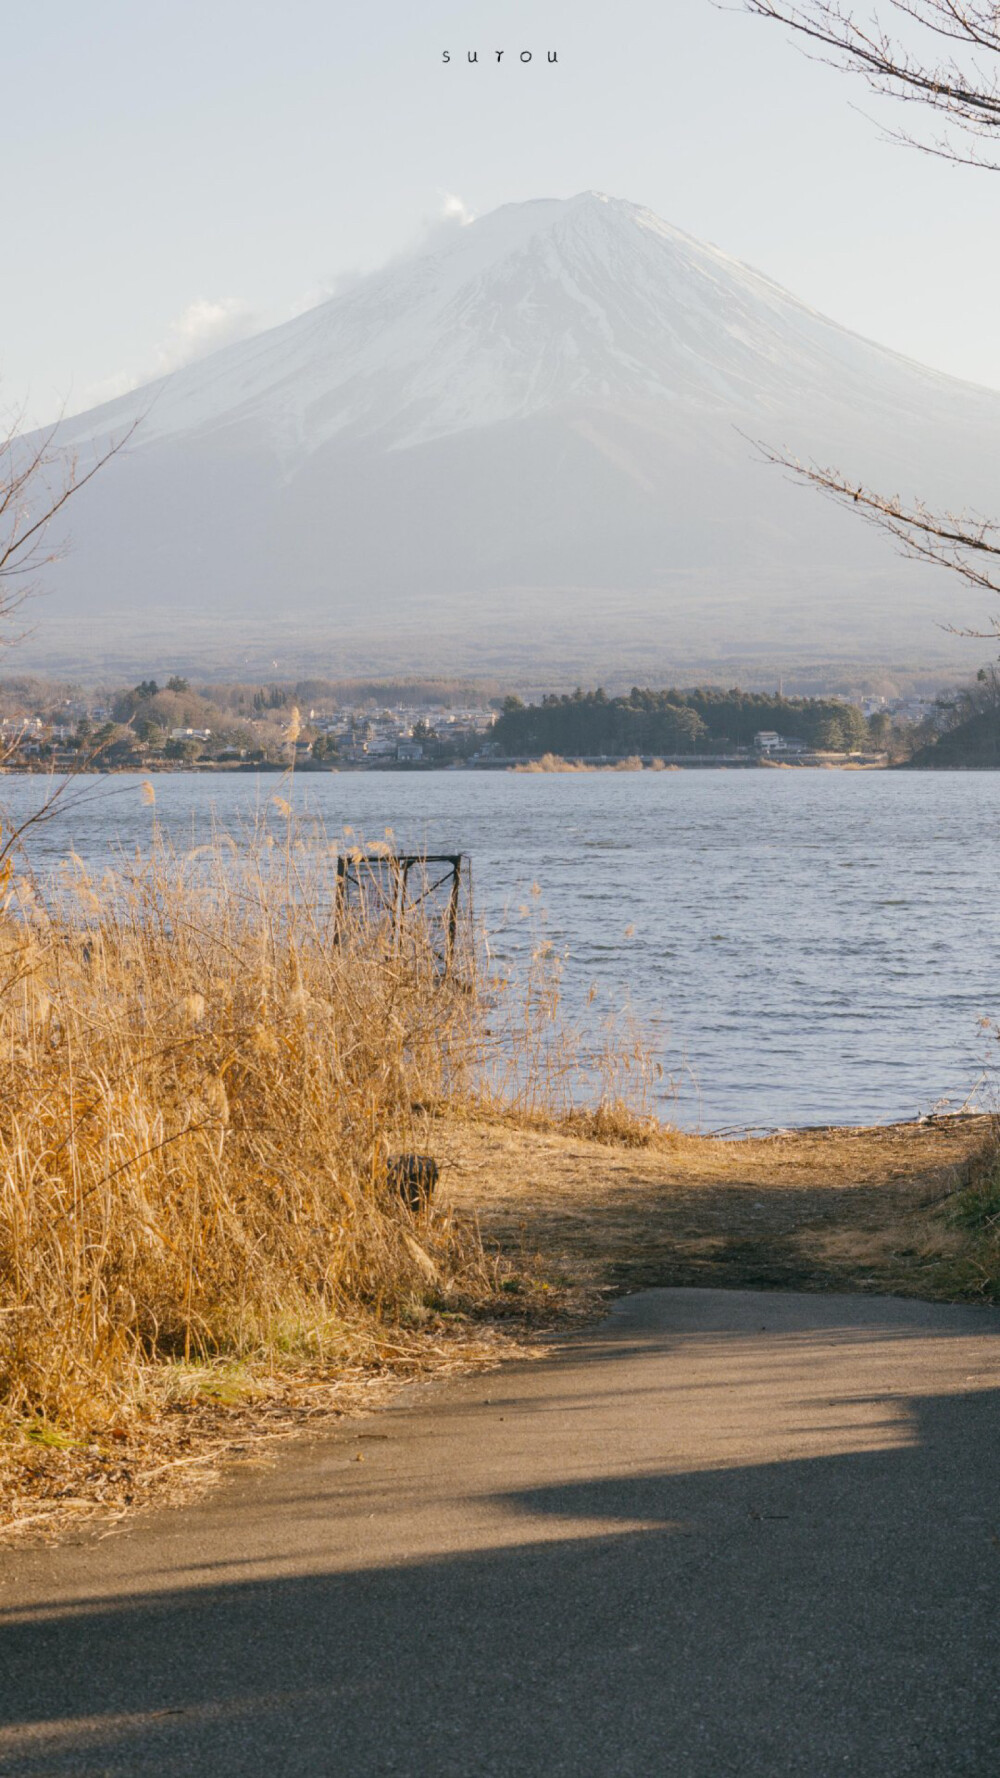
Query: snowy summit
530, 439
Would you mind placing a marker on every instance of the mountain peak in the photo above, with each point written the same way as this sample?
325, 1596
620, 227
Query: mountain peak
534, 423
540, 306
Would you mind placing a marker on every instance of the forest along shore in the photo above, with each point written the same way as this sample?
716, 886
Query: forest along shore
324, 725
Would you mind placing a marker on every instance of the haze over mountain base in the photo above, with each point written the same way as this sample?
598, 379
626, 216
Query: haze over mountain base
527, 450
541, 656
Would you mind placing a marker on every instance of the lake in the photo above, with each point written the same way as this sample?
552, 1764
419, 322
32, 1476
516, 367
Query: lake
805, 946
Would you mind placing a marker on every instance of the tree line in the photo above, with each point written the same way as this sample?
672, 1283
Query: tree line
705, 719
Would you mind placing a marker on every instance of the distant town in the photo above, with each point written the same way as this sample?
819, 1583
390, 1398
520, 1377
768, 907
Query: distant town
330, 726
178, 725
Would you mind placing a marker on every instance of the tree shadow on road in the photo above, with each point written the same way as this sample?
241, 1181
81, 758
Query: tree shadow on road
833, 1615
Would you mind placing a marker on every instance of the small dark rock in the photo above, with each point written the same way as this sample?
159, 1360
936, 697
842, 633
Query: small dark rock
414, 1177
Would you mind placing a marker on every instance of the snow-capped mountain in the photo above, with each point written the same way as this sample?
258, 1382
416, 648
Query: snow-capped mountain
529, 441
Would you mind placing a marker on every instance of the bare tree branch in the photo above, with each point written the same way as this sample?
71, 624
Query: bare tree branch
967, 94
966, 91
967, 545
37, 479
28, 503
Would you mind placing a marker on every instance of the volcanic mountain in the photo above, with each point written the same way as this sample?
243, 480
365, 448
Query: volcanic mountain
528, 447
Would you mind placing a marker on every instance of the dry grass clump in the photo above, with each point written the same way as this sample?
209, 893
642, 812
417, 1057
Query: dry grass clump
552, 762
974, 1212
555, 762
200, 1092
597, 1075
977, 1205
613, 1122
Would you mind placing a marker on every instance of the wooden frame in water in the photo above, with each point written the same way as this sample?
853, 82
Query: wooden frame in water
395, 888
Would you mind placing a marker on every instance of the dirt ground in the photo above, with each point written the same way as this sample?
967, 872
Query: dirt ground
829, 1209
572, 1221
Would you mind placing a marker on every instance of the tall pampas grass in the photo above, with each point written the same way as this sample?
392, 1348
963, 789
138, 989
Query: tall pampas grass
202, 1084
205, 1078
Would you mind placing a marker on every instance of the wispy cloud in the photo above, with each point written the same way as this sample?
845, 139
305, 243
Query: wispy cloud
203, 327
322, 291
207, 324
455, 209
452, 213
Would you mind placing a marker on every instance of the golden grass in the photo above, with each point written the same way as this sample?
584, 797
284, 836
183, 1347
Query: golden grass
203, 1085
200, 1093
555, 762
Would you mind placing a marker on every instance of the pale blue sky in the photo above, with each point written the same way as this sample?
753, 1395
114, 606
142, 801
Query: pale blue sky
242, 154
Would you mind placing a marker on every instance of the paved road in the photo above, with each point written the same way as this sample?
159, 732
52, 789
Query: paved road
726, 1533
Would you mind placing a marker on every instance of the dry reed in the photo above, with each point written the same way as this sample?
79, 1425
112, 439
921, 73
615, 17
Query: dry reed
555, 762
201, 1091
203, 1085
596, 1074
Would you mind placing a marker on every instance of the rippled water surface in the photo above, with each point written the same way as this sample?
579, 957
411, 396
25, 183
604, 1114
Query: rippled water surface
807, 946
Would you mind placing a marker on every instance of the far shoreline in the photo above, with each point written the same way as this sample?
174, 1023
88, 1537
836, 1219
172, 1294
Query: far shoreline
523, 767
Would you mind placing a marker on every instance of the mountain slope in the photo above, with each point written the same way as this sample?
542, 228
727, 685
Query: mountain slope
527, 443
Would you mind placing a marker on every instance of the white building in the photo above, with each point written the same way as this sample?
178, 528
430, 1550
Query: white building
767, 740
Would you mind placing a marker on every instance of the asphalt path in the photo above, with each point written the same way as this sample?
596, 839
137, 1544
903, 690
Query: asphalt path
723, 1533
